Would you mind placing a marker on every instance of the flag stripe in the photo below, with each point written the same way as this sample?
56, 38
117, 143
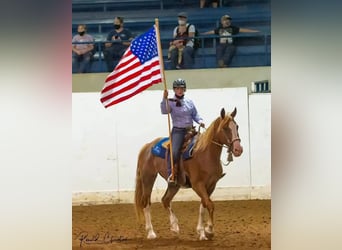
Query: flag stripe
126, 63
124, 88
131, 73
128, 90
123, 98
133, 91
139, 77
138, 69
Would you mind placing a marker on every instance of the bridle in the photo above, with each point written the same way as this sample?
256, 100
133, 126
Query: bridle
229, 147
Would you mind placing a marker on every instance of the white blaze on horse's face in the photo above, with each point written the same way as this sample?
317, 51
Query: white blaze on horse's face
234, 131
230, 130
235, 139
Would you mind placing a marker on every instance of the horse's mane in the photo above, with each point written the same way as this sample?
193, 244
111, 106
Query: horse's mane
206, 138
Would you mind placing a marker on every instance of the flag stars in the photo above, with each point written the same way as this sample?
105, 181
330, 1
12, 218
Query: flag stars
130, 79
145, 46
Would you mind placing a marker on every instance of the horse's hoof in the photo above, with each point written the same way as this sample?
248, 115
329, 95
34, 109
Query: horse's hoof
175, 228
151, 235
208, 231
209, 235
202, 237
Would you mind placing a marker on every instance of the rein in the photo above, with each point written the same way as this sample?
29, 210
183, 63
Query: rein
229, 151
229, 148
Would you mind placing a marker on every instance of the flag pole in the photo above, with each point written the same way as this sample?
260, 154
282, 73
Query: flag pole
160, 53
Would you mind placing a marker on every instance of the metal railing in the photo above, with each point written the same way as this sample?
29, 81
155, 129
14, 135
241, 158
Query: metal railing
253, 49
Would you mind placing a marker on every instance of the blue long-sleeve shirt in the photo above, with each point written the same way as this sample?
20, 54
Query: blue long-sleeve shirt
183, 116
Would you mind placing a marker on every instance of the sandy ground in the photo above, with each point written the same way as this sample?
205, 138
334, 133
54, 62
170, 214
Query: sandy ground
237, 225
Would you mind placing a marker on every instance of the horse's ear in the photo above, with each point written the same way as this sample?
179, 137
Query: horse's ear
233, 114
223, 113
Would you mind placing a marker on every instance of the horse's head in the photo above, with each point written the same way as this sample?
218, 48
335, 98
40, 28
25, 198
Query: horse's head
228, 133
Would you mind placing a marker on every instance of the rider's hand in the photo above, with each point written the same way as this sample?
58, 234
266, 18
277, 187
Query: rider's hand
166, 93
202, 125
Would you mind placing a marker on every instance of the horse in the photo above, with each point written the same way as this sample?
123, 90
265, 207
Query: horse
203, 170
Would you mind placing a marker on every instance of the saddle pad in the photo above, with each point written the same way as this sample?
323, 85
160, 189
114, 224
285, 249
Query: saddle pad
159, 148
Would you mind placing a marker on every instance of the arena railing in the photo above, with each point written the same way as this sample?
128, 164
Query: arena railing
253, 49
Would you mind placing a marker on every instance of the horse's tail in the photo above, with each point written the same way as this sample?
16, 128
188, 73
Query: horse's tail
138, 195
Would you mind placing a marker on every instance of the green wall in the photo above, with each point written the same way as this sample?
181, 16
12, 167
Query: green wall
196, 78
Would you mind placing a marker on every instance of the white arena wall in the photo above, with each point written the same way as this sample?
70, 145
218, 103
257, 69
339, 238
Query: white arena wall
106, 143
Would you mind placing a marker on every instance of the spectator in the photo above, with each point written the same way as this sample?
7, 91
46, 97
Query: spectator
214, 3
181, 51
225, 48
82, 53
118, 41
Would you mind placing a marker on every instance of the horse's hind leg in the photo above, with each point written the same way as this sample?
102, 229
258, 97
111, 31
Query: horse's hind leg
167, 198
147, 190
148, 226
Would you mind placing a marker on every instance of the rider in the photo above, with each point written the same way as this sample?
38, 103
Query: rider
183, 113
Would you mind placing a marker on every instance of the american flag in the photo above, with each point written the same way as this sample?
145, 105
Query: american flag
137, 70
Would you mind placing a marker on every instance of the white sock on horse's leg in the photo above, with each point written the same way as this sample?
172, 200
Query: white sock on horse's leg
209, 229
173, 221
149, 228
200, 226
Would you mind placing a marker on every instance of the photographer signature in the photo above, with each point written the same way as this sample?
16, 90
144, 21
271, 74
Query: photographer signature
97, 238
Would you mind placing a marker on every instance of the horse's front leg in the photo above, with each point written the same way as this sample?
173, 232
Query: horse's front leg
149, 228
200, 224
209, 229
206, 232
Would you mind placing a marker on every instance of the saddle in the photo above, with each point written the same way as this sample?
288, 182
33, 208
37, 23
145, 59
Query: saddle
161, 149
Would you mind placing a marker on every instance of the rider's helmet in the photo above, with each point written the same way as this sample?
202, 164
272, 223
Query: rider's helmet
179, 83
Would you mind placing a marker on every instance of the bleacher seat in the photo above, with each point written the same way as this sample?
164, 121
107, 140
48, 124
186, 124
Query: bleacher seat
110, 5
139, 16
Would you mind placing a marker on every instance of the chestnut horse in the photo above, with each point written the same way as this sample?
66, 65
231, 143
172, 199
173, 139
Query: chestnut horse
203, 170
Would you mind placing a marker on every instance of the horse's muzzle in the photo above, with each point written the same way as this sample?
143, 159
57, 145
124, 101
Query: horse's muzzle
237, 148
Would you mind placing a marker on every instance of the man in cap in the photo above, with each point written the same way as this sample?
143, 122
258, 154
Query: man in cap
181, 51
225, 48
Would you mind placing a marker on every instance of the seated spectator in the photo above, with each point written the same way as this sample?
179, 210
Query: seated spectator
181, 51
225, 48
82, 53
214, 3
119, 40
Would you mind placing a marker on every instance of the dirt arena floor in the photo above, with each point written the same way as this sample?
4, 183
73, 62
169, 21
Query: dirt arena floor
238, 225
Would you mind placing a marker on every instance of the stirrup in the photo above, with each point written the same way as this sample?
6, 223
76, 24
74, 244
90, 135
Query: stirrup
171, 181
